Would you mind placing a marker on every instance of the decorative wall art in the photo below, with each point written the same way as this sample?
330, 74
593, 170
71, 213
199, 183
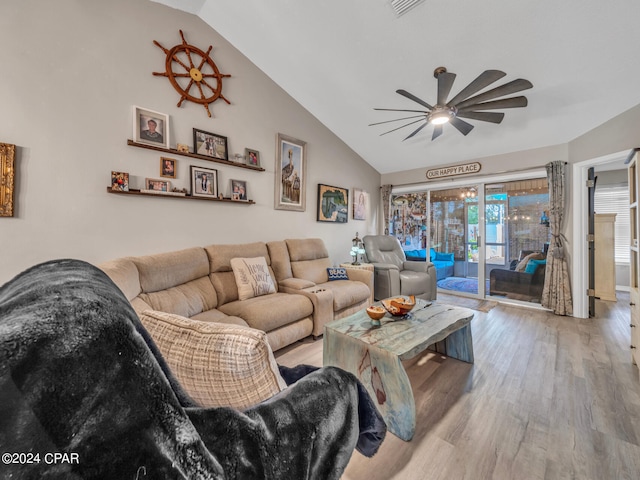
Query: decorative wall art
185, 61
7, 178
291, 174
252, 157
150, 128
333, 204
204, 182
168, 167
120, 181
360, 202
239, 190
210, 144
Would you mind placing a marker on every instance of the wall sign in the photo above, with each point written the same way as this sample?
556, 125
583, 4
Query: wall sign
452, 171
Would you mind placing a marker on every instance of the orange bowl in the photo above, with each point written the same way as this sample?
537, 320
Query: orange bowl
398, 306
376, 312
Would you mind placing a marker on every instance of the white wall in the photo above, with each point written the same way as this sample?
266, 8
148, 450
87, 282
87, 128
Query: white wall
71, 71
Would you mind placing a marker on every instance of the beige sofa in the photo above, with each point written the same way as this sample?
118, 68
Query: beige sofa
199, 283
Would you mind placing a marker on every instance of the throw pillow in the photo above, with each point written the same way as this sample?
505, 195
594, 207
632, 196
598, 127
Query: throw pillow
522, 264
533, 265
432, 254
337, 273
218, 364
252, 277
444, 257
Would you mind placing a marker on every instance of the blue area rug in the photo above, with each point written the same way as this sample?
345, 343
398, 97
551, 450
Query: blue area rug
460, 284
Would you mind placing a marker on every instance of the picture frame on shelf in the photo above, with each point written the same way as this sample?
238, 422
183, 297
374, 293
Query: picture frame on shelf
204, 182
210, 144
156, 185
360, 203
252, 157
291, 174
239, 190
7, 179
183, 148
120, 181
150, 127
333, 204
168, 167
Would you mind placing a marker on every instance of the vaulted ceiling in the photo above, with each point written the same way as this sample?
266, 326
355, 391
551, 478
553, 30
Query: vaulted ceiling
340, 59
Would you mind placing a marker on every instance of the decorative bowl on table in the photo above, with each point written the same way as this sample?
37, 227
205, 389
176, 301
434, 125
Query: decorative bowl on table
376, 312
399, 306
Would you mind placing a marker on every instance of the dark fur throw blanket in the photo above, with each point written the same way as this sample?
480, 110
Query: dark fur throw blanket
84, 394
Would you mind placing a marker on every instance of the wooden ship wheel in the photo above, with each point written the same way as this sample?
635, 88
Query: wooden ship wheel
189, 68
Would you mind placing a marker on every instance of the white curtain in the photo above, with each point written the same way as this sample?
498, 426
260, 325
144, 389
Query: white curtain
556, 294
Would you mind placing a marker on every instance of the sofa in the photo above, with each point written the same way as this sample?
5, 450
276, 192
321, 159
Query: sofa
523, 281
443, 261
200, 283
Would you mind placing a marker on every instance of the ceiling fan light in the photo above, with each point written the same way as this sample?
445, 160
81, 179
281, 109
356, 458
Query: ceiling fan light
439, 119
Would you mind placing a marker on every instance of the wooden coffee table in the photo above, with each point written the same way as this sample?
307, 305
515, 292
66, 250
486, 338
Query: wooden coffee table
375, 354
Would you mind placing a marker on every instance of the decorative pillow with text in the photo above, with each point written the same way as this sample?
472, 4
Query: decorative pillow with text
337, 273
252, 277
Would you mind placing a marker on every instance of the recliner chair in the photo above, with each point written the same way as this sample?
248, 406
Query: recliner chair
393, 274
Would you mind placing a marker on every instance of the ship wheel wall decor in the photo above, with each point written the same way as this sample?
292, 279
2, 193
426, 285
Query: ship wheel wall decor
190, 69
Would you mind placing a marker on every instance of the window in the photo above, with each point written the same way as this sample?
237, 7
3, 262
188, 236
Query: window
615, 199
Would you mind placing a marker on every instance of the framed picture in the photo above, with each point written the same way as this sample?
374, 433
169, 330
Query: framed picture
210, 144
150, 128
360, 202
333, 204
120, 181
252, 157
157, 185
168, 167
7, 178
239, 190
204, 182
291, 174
182, 148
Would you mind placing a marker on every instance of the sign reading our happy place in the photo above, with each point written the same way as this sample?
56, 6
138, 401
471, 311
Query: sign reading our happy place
454, 170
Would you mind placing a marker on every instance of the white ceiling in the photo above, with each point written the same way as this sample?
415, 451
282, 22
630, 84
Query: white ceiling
340, 59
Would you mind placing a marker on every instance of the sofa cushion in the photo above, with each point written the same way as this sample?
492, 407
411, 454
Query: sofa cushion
309, 259
252, 277
443, 257
124, 274
269, 312
337, 274
522, 264
432, 254
533, 265
218, 365
346, 293
187, 299
166, 270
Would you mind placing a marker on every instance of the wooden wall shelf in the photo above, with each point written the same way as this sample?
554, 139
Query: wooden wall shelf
172, 151
179, 197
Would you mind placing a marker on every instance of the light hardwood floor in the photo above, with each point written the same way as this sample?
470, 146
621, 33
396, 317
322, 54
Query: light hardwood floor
548, 397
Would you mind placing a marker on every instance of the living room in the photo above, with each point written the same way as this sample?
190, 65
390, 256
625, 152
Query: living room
72, 73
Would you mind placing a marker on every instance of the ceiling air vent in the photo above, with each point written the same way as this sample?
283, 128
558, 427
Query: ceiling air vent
402, 6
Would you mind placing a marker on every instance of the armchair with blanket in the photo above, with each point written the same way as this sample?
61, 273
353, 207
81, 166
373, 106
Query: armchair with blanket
81, 375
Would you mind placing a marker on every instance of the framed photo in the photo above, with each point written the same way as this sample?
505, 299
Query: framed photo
239, 190
168, 167
333, 204
252, 157
360, 203
7, 178
120, 181
150, 128
157, 185
182, 148
210, 144
291, 174
204, 182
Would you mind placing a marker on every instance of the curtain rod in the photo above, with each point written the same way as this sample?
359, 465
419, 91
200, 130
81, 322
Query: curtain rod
455, 178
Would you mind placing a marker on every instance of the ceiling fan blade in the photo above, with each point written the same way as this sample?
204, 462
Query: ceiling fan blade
445, 82
406, 125
493, 117
462, 126
485, 79
401, 110
410, 96
506, 89
396, 120
416, 131
437, 131
513, 102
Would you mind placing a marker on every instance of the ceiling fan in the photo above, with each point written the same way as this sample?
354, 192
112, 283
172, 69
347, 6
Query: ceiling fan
463, 105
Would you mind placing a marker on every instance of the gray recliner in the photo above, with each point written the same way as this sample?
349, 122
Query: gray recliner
393, 274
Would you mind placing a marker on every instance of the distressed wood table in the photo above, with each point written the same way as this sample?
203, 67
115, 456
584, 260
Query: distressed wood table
375, 354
